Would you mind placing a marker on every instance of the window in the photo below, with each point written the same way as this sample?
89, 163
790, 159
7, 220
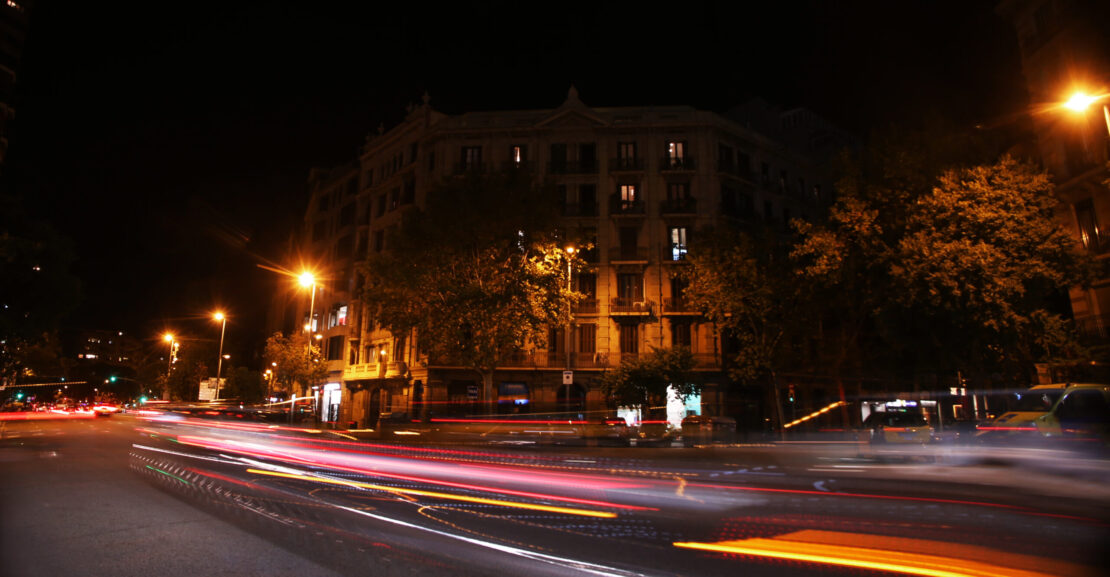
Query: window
630, 286
518, 154
587, 156
676, 153
587, 198
379, 240
782, 181
471, 157
399, 349
681, 334
587, 338
765, 173
319, 230
368, 178
414, 149
352, 187
626, 155
431, 161
678, 242
347, 215
1089, 232
324, 203
558, 157
337, 316
768, 211
629, 236
726, 161
555, 340
629, 196
379, 209
586, 283
395, 198
630, 339
345, 247
678, 190
335, 348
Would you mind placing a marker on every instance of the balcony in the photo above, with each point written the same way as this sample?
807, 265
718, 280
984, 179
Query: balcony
630, 306
706, 361
589, 360
585, 209
461, 168
687, 205
394, 369
677, 163
628, 254
573, 167
624, 207
677, 306
586, 306
626, 165
1095, 327
361, 371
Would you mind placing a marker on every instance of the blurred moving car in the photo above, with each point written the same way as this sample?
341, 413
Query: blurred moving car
896, 427
705, 430
1017, 423
1082, 413
654, 433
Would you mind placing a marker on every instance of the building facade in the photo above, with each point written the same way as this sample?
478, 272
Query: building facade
1065, 49
636, 183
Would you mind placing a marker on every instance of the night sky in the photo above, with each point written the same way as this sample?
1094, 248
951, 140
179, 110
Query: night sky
172, 141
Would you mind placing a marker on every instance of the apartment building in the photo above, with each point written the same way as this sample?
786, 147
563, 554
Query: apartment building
1064, 50
636, 183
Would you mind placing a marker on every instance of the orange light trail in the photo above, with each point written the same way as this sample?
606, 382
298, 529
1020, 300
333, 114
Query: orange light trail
896, 554
291, 458
446, 496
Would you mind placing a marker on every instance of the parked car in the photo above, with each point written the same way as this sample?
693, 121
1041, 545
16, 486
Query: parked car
1081, 414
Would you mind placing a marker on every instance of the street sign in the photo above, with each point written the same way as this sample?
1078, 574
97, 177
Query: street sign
472, 392
568, 377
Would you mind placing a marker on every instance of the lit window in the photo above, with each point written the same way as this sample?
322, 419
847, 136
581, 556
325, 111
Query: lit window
678, 242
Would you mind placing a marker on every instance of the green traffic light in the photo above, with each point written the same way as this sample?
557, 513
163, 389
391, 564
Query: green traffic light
142, 400
112, 378
18, 396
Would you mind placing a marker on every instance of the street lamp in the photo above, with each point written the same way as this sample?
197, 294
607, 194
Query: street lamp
219, 316
570, 250
1081, 101
309, 280
168, 337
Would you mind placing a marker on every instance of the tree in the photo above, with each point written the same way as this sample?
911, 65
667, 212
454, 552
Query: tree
643, 381
477, 274
981, 255
297, 361
744, 283
246, 385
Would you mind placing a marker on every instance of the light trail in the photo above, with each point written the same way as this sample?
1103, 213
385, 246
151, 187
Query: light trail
438, 495
896, 554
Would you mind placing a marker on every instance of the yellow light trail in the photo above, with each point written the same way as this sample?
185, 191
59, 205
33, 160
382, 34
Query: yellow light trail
896, 554
437, 495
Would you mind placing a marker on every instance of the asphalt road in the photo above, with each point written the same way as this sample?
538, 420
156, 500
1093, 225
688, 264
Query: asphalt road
70, 505
126, 496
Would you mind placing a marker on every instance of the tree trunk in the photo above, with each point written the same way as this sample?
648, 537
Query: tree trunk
487, 393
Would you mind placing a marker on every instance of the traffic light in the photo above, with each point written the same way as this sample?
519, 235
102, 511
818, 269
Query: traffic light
791, 393
19, 396
112, 378
142, 400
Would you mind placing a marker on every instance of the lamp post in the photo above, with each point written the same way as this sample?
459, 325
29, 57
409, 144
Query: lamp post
168, 337
220, 361
570, 250
307, 279
1081, 101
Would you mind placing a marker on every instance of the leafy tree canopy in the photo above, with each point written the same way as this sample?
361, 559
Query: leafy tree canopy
478, 274
297, 361
644, 379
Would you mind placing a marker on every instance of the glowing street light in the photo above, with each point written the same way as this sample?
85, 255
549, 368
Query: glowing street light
570, 250
307, 279
168, 337
1081, 101
219, 316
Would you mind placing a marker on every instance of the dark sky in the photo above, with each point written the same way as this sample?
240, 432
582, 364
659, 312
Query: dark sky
172, 141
